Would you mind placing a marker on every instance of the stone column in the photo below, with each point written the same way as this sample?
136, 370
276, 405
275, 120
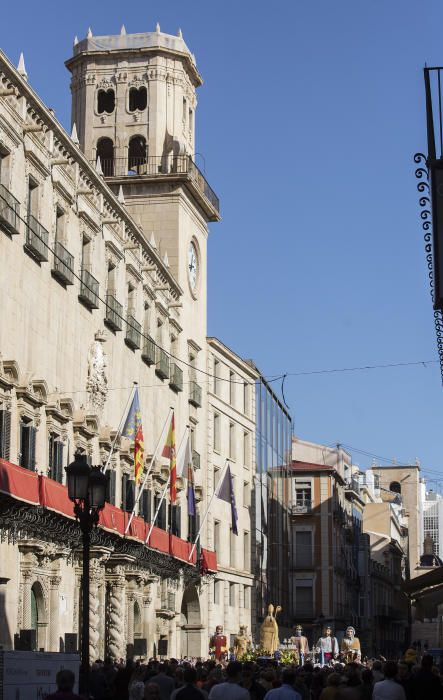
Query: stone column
225, 608
54, 613
146, 627
27, 578
116, 617
130, 629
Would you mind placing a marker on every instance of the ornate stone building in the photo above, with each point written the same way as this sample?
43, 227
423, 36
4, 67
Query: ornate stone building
103, 246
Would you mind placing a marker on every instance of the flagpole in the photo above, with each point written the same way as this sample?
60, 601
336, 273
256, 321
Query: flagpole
163, 494
151, 463
125, 413
207, 510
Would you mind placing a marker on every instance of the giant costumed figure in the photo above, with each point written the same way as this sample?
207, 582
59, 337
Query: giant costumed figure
327, 646
350, 646
218, 644
269, 640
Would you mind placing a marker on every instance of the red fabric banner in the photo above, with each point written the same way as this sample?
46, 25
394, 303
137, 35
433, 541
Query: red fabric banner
29, 487
18, 482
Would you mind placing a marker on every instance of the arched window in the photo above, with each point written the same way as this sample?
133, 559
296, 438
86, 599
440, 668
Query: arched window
105, 151
395, 487
138, 99
105, 101
34, 610
137, 155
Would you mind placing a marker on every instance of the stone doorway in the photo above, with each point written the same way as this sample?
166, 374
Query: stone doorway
191, 624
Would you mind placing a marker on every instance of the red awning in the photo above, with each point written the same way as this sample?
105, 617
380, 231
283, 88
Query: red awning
30, 487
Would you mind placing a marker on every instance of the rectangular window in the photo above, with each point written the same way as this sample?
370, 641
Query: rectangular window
217, 592
55, 453
60, 225
233, 595
175, 520
231, 387
304, 598
216, 377
303, 549
232, 450
144, 505
162, 515
246, 552
217, 536
110, 486
5, 433
4, 168
246, 494
27, 444
191, 120
216, 436
32, 198
86, 254
232, 548
246, 407
246, 449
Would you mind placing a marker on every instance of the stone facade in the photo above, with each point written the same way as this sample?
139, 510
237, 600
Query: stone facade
103, 285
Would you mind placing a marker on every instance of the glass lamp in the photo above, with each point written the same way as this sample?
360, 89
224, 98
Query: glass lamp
77, 474
97, 488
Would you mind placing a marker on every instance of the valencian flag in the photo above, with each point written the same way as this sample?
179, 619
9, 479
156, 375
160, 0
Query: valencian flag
133, 430
169, 452
191, 492
225, 491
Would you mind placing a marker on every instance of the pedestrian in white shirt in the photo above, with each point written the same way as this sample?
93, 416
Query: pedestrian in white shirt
389, 689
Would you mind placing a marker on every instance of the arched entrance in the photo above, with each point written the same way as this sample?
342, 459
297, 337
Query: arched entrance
38, 616
191, 625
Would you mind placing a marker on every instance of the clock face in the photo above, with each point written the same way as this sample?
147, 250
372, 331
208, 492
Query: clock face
192, 266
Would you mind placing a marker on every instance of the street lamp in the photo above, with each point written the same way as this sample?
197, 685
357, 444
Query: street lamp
87, 490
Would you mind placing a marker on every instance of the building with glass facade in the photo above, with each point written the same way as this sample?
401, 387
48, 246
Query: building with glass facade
270, 505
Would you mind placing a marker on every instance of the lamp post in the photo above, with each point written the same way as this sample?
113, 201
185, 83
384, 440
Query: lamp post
87, 490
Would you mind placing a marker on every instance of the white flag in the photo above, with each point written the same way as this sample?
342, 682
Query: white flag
184, 456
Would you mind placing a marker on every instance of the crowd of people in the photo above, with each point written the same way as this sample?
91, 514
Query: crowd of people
207, 680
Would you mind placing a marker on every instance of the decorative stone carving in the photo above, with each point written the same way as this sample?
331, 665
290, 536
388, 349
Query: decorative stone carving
116, 614
97, 382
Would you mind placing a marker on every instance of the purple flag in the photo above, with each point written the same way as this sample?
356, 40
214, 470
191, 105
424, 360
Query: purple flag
225, 492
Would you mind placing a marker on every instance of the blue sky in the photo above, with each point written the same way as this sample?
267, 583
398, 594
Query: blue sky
309, 117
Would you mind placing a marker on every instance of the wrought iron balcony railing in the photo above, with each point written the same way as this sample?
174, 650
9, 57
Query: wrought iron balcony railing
300, 507
133, 332
195, 459
148, 351
63, 267
162, 166
175, 377
195, 394
162, 364
37, 239
89, 290
114, 313
9, 211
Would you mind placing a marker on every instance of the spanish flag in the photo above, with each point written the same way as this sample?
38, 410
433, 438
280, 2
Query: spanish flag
133, 429
169, 452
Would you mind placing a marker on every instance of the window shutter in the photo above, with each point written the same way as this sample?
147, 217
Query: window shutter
111, 486
145, 505
130, 495
5, 433
51, 455
176, 520
124, 490
59, 461
32, 434
161, 521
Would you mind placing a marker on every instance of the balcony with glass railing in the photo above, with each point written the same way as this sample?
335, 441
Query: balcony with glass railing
195, 394
114, 313
63, 266
133, 332
37, 239
148, 351
9, 211
162, 364
89, 290
175, 377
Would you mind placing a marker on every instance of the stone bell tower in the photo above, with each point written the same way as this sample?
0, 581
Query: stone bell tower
133, 106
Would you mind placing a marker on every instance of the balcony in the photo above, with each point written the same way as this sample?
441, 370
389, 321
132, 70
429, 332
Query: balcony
353, 484
89, 289
300, 508
162, 364
165, 168
37, 239
63, 267
9, 211
176, 377
133, 333
195, 459
195, 394
114, 313
148, 351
